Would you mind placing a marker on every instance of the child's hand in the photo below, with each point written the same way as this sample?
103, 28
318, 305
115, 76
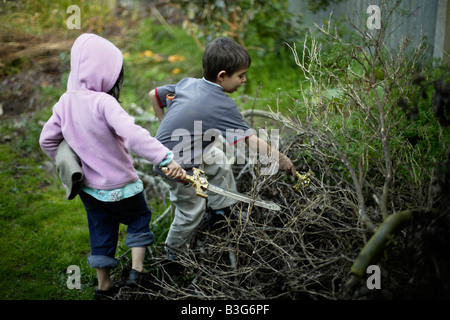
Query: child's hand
286, 164
175, 171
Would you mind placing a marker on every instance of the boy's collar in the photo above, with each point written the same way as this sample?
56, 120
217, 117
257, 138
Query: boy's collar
207, 81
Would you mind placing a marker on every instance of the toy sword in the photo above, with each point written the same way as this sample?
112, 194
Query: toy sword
201, 184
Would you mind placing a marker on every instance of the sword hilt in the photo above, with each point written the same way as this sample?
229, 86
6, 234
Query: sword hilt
200, 183
303, 180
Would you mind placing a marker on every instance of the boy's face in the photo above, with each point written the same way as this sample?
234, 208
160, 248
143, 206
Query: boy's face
233, 82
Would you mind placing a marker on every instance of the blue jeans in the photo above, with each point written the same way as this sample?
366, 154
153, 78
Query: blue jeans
104, 219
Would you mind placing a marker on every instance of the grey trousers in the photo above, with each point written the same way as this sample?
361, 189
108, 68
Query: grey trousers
190, 208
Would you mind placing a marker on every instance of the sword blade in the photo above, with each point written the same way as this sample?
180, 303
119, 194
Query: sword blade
260, 203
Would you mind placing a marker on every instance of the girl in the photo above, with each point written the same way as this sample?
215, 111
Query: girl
90, 119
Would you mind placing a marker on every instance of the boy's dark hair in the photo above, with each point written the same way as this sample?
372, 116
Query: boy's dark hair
224, 54
115, 90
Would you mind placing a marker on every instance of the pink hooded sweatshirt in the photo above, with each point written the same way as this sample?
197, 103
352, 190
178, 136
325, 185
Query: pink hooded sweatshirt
93, 123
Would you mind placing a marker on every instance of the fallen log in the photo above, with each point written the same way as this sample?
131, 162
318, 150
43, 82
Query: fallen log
37, 50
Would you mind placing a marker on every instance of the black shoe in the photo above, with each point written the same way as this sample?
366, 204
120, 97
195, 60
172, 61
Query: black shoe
106, 294
136, 279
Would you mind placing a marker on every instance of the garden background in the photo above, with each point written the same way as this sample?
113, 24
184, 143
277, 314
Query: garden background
370, 121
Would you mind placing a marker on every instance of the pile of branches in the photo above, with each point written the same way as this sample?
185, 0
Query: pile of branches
311, 249
304, 251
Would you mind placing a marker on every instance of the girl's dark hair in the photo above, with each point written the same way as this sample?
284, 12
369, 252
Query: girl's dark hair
115, 90
224, 54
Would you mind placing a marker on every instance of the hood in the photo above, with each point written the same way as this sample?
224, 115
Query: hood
95, 64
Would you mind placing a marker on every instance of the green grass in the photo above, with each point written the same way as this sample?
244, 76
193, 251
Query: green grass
41, 233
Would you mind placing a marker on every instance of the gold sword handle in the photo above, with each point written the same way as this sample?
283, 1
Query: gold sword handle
200, 183
303, 180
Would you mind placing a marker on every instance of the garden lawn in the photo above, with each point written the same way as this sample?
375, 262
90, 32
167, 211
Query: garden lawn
41, 233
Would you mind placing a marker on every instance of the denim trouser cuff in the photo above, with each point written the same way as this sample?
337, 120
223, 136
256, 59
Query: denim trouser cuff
139, 239
98, 261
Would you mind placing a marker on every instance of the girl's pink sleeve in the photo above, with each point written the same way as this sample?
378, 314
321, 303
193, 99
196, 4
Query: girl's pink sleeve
51, 136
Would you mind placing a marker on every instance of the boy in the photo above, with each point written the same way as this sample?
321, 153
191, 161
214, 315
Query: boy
197, 110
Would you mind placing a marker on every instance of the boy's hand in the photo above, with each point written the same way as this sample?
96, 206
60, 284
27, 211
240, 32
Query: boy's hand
175, 171
286, 164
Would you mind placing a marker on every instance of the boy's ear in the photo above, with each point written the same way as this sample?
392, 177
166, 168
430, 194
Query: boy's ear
221, 75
